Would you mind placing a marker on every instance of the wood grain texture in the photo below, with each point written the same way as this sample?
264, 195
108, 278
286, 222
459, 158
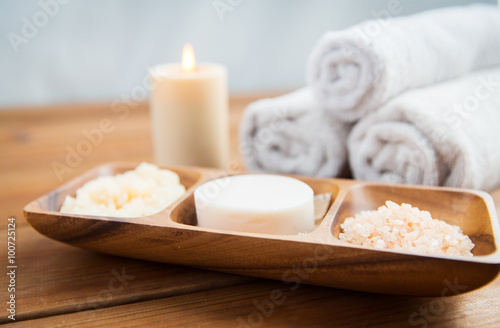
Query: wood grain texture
53, 278
57, 278
276, 304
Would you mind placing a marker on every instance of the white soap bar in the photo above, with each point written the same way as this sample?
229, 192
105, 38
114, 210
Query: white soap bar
259, 203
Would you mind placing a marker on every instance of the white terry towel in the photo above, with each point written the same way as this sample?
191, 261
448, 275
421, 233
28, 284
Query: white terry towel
447, 134
356, 70
288, 135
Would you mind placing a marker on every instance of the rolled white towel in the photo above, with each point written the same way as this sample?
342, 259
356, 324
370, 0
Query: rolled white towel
288, 135
447, 134
354, 71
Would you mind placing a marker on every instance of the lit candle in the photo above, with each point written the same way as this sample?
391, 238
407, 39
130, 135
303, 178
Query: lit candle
189, 113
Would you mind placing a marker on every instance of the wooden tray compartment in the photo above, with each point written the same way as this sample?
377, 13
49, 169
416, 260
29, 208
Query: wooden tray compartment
185, 211
467, 209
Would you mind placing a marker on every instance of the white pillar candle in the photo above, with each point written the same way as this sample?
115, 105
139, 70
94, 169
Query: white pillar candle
189, 113
259, 203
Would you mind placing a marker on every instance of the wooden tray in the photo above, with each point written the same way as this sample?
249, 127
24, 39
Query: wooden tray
318, 258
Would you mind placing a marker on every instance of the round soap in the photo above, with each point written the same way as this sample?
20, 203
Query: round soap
259, 203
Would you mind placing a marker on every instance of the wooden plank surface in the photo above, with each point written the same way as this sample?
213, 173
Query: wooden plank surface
58, 285
275, 304
54, 278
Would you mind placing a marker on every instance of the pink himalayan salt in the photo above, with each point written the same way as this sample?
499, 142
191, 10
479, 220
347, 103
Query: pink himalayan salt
407, 228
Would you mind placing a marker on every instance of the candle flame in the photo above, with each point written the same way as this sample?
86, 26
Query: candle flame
188, 60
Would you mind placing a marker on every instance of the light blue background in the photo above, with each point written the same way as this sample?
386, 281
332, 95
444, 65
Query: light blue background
95, 51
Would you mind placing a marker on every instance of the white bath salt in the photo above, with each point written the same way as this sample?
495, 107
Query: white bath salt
406, 228
144, 191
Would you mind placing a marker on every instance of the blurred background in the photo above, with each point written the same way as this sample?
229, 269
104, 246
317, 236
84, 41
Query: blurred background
74, 51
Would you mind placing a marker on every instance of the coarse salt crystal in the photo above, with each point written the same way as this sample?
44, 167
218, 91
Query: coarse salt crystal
405, 227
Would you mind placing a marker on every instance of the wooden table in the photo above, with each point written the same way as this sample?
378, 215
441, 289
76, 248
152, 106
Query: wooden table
59, 285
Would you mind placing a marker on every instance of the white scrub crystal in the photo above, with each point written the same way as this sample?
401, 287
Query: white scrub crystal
144, 191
